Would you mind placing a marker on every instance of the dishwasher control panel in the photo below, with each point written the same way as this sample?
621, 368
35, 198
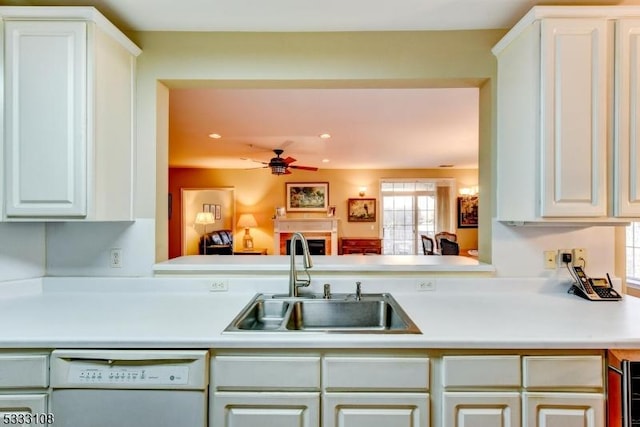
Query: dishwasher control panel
129, 369
86, 373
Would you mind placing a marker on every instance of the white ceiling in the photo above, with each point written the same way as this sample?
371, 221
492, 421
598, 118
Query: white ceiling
403, 128
303, 15
370, 128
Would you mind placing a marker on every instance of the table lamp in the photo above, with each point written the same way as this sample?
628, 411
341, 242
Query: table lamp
247, 221
204, 219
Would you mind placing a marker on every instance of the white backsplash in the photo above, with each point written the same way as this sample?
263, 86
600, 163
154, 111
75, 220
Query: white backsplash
22, 251
83, 249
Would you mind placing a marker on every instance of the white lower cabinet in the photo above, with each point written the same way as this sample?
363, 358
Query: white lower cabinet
24, 379
375, 410
563, 391
375, 391
563, 409
251, 390
481, 390
407, 388
481, 409
285, 390
252, 409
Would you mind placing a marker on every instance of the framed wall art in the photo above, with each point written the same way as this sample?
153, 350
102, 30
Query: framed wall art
361, 210
468, 212
307, 196
218, 212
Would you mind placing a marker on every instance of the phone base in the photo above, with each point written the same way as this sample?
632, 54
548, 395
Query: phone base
576, 290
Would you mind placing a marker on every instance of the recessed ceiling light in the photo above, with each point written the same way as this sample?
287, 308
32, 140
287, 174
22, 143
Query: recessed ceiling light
325, 135
325, 160
215, 135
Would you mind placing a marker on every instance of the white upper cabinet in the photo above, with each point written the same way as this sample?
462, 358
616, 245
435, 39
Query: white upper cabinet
573, 122
626, 147
68, 116
563, 82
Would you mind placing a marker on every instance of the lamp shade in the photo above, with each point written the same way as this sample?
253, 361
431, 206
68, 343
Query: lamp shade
247, 220
204, 218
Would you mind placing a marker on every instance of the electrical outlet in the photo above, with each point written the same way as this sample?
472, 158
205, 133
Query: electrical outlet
219, 286
562, 256
426, 285
550, 260
579, 256
115, 258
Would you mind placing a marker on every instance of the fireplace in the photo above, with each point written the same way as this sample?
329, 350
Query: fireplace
324, 230
316, 247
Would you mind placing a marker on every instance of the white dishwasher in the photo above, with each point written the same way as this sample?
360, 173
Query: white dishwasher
129, 388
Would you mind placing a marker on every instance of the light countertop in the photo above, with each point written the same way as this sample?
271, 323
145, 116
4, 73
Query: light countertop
341, 264
183, 313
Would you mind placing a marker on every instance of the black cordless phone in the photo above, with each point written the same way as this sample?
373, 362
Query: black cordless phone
593, 289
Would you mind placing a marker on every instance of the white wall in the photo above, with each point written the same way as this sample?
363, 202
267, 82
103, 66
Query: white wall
83, 249
22, 251
364, 59
518, 251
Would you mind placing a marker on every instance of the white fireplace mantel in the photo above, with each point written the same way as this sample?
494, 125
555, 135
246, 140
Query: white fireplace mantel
306, 225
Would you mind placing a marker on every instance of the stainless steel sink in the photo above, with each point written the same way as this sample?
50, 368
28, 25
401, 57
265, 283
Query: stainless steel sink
373, 313
263, 315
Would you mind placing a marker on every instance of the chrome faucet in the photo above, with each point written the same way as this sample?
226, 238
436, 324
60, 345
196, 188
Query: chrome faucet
294, 282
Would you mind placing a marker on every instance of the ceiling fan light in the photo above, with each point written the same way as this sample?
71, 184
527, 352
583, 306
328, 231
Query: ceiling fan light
278, 170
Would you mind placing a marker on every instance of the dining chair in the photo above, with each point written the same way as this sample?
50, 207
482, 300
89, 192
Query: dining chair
427, 245
448, 247
445, 235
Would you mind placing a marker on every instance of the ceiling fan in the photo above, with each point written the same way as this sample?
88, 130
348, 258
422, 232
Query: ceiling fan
280, 166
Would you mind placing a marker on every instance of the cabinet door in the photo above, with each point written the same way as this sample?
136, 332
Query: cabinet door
13, 408
230, 409
574, 67
563, 410
626, 142
46, 123
375, 410
481, 409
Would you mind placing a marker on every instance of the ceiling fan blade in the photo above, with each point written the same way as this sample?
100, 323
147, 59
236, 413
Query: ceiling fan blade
286, 144
287, 171
254, 160
259, 167
306, 168
289, 160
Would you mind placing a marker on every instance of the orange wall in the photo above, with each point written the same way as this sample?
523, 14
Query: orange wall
259, 192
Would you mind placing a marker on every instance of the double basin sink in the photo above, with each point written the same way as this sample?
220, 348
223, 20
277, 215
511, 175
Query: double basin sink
343, 313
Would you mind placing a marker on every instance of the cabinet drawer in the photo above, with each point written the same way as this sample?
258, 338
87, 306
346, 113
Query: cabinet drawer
379, 373
362, 243
21, 403
24, 370
548, 372
481, 371
265, 373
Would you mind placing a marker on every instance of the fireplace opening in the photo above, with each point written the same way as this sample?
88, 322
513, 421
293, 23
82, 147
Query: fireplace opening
316, 247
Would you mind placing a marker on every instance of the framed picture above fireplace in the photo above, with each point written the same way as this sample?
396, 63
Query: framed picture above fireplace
307, 196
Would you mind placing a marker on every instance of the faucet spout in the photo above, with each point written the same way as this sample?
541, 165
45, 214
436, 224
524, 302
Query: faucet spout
307, 263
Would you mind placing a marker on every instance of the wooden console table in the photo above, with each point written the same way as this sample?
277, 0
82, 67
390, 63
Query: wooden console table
360, 245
